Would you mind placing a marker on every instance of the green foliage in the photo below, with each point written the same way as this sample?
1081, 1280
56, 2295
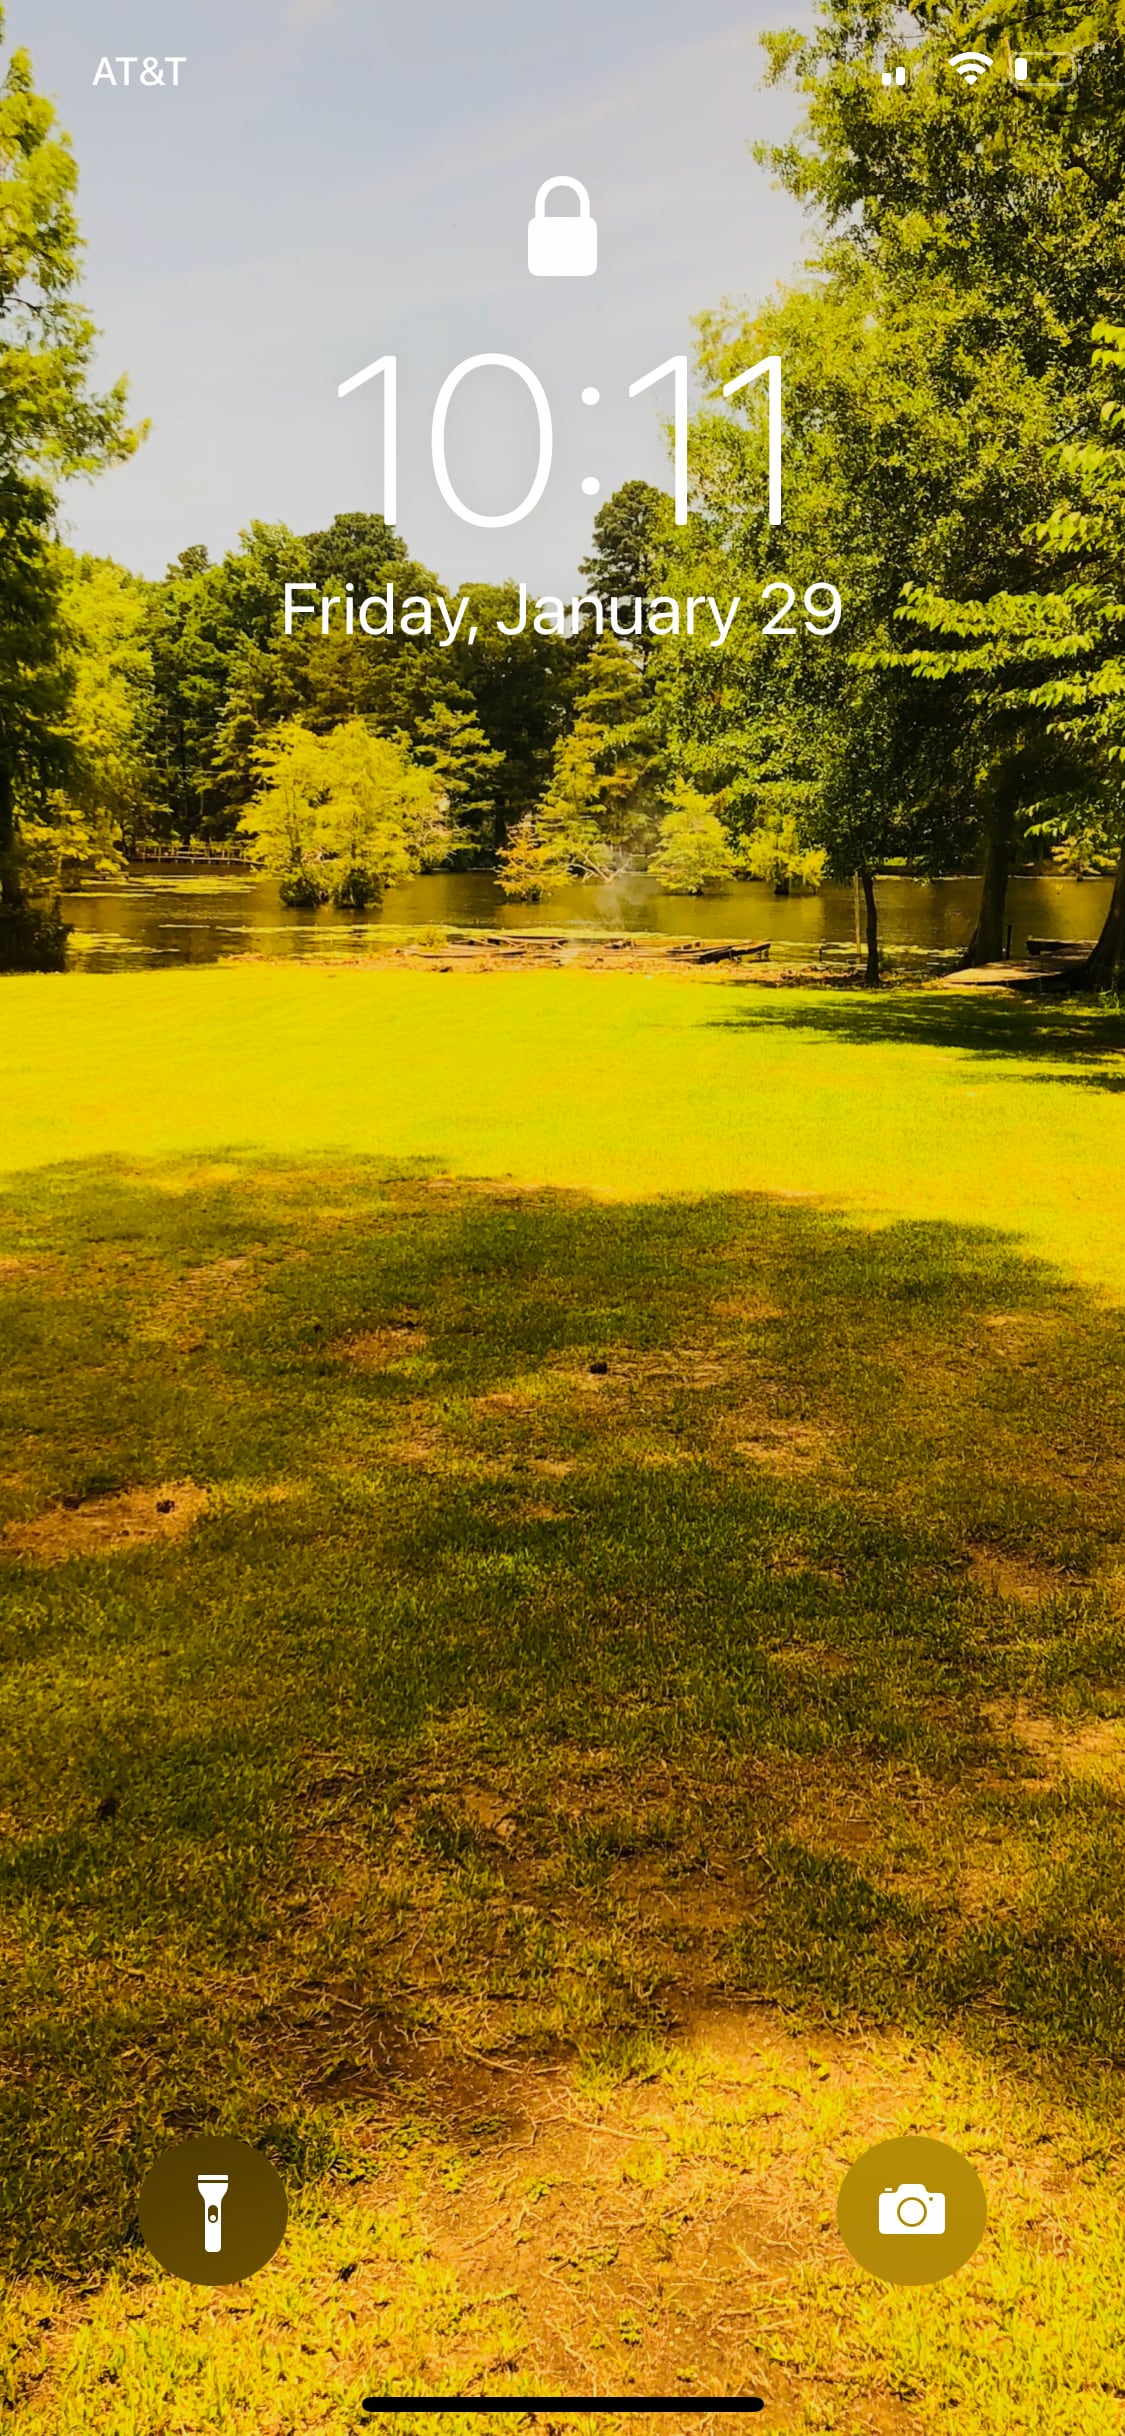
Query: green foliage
598, 812
521, 689
564, 837
1044, 664
285, 819
344, 815
450, 740
532, 865
694, 853
1056, 645
795, 735
35, 676
52, 427
934, 364
631, 534
220, 681
775, 853
966, 242
484, 716
104, 613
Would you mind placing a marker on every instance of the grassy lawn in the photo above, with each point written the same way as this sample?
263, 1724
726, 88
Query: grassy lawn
563, 1608
921, 1104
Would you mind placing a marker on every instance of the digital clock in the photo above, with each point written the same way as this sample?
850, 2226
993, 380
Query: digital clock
675, 369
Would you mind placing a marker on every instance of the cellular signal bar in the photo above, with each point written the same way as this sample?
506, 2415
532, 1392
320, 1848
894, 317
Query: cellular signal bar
588, 2404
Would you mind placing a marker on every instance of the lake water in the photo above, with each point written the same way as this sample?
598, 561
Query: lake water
197, 918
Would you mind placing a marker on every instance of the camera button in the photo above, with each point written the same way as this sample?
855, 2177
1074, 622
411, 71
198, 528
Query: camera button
912, 2211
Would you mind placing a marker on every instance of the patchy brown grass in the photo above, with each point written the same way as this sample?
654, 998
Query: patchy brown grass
506, 1400
574, 1793
782, 1447
1021, 1335
385, 1348
636, 2256
107, 1526
1010, 1577
755, 1308
1060, 1746
219, 1275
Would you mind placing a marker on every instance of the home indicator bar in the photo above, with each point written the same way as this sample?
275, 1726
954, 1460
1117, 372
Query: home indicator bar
528, 2404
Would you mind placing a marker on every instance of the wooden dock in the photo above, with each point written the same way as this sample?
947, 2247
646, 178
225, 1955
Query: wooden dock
190, 858
1038, 975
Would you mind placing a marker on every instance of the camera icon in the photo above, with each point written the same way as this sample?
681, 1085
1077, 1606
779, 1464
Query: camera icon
912, 2209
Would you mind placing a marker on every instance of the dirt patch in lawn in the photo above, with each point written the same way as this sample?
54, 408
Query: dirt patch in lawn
380, 1348
1011, 1577
35, 1265
106, 1526
221, 1276
753, 1307
1060, 1745
1023, 1336
645, 2235
783, 1447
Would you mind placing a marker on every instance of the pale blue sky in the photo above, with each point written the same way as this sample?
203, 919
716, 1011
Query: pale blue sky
333, 180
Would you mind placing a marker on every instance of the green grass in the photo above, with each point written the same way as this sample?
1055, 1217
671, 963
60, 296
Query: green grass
564, 1814
916, 1104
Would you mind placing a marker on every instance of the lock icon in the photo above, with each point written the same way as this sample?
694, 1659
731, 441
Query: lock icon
563, 245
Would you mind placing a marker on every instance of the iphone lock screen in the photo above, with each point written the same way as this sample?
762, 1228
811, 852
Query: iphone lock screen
562, 1193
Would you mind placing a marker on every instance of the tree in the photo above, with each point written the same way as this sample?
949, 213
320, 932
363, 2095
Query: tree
521, 688
285, 819
104, 612
932, 368
34, 690
787, 724
357, 549
1004, 225
931, 373
52, 426
344, 816
1051, 657
597, 815
694, 853
775, 853
630, 543
534, 863
210, 626
450, 740
227, 675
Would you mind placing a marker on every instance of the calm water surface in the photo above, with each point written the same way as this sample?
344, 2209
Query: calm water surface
194, 918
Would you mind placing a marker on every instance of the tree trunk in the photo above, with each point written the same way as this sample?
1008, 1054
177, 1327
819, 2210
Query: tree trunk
1104, 968
987, 943
11, 893
871, 911
32, 937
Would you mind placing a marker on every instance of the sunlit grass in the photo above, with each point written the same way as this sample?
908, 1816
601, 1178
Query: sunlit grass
914, 1104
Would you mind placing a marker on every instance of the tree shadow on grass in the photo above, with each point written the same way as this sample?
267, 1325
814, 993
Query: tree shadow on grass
1073, 1042
598, 1607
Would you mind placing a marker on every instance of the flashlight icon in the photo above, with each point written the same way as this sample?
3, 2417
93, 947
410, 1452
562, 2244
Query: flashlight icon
212, 2191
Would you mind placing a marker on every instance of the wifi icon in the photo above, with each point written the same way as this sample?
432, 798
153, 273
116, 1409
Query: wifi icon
970, 66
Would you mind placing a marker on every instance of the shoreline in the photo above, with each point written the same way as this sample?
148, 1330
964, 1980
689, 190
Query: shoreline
737, 961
